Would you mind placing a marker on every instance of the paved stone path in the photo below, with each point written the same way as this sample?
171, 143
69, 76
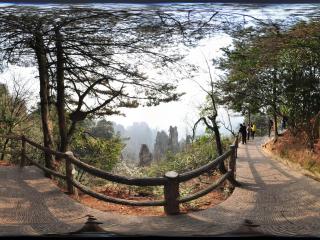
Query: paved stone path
273, 200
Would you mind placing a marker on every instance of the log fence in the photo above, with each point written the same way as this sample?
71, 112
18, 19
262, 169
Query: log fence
170, 181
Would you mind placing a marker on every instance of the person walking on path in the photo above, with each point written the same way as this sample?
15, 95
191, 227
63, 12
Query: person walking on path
243, 132
253, 130
248, 131
284, 122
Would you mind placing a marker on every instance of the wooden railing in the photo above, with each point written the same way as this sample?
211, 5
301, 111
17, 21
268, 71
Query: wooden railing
170, 181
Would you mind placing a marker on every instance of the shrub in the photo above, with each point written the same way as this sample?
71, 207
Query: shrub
101, 153
196, 154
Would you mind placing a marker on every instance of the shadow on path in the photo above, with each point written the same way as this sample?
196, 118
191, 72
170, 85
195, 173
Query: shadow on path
273, 200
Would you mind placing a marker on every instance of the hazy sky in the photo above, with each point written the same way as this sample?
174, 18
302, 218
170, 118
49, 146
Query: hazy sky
183, 113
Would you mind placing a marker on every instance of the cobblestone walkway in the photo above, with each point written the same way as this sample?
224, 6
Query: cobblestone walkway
273, 200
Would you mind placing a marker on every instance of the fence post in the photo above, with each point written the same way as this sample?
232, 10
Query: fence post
171, 193
23, 151
236, 147
232, 160
69, 174
232, 166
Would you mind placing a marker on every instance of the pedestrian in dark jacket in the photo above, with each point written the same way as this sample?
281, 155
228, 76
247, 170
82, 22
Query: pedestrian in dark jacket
284, 122
243, 131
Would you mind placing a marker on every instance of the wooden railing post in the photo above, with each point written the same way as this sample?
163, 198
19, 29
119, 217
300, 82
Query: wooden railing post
236, 147
23, 151
232, 160
69, 174
171, 193
232, 166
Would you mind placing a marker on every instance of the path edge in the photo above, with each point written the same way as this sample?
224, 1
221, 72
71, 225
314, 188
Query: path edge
294, 166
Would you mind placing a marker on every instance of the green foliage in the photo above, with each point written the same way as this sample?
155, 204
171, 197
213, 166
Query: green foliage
299, 61
103, 129
101, 153
276, 69
198, 153
194, 155
261, 121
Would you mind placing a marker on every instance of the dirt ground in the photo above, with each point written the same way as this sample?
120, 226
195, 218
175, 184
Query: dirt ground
4, 163
207, 201
213, 198
295, 150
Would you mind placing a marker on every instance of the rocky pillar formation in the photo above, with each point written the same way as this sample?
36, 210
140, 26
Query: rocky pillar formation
173, 144
145, 157
161, 145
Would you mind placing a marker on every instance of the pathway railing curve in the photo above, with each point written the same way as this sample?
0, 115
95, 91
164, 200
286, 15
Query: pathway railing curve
170, 181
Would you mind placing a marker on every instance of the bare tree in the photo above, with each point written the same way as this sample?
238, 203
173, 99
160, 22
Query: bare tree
209, 114
228, 125
14, 115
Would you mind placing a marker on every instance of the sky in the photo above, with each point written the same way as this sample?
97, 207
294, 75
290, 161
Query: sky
183, 113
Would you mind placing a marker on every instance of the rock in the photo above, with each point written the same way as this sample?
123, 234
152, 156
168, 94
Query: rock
145, 157
173, 144
188, 139
165, 143
161, 145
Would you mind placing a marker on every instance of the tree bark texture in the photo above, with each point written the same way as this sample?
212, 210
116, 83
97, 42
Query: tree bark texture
44, 97
60, 105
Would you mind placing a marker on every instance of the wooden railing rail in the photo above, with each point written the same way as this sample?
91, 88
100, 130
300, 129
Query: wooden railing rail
206, 190
11, 136
116, 200
204, 169
170, 181
100, 173
47, 170
116, 178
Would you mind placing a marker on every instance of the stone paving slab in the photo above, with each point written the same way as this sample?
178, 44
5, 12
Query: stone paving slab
273, 200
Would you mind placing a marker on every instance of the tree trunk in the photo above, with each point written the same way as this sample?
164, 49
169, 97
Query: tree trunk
214, 128
218, 140
274, 105
44, 98
316, 126
6, 143
63, 146
275, 125
4, 148
216, 131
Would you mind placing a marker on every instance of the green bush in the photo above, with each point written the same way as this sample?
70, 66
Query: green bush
196, 154
101, 153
